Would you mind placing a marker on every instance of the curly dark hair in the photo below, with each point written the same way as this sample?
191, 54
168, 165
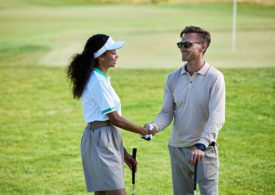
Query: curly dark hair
205, 35
82, 65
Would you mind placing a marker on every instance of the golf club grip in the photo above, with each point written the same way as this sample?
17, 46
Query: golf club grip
134, 153
195, 176
133, 171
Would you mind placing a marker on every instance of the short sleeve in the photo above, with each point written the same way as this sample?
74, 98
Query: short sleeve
102, 95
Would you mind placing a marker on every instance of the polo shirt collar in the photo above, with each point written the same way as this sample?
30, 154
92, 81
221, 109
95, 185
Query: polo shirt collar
184, 69
202, 71
101, 73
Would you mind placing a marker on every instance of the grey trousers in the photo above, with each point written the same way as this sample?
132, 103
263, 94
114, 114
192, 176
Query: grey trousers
183, 172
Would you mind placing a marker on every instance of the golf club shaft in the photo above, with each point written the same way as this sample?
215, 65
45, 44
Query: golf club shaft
195, 177
133, 189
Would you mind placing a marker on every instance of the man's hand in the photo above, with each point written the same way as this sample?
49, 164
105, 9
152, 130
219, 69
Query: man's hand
196, 155
151, 132
130, 161
151, 129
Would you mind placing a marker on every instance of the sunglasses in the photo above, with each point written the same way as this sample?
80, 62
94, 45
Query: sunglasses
186, 44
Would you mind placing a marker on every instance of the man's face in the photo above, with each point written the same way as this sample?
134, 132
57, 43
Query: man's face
191, 47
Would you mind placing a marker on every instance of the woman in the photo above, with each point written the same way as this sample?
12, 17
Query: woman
102, 150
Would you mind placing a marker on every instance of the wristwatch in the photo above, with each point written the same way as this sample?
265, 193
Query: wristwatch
201, 147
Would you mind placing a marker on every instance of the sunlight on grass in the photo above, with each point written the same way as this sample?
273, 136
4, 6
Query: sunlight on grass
41, 125
150, 33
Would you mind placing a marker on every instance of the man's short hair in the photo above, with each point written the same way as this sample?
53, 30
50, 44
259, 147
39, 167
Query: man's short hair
205, 35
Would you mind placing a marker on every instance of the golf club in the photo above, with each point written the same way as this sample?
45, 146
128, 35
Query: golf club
133, 171
195, 177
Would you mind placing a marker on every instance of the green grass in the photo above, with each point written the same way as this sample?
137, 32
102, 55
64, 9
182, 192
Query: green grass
49, 35
41, 125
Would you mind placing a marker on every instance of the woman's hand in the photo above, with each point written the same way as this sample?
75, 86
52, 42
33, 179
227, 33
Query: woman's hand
130, 161
151, 129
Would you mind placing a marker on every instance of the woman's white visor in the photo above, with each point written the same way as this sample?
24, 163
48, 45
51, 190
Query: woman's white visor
109, 45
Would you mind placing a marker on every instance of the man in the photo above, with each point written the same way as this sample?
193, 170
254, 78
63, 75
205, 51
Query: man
195, 98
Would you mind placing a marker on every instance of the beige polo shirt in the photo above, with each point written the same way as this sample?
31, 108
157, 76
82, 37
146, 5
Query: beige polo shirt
197, 105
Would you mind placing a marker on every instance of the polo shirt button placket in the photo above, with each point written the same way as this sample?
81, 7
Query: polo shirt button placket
190, 84
191, 80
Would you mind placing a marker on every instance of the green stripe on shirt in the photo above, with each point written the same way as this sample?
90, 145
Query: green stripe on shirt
100, 72
109, 110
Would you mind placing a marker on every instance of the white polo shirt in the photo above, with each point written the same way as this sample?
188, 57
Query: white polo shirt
99, 98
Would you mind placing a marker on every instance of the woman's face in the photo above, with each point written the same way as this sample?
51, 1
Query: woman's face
108, 59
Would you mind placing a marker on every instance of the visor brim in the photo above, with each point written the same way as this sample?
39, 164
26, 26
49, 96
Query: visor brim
116, 45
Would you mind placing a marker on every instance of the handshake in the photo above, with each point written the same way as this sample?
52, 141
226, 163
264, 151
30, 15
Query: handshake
148, 137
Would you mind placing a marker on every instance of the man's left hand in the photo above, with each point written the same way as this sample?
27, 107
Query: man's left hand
197, 155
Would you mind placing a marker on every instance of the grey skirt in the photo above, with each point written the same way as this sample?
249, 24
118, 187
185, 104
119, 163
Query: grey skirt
102, 155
